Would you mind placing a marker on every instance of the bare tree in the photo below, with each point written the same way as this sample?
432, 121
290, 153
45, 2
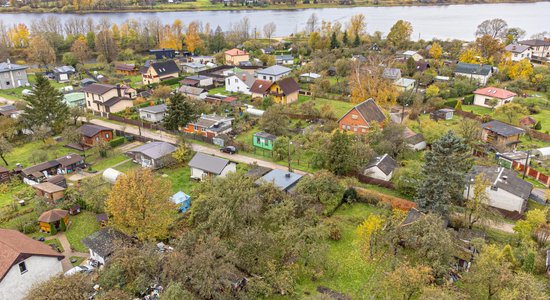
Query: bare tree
496, 28
312, 24
541, 35
269, 30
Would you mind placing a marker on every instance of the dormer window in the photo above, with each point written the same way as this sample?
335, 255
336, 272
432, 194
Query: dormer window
22, 268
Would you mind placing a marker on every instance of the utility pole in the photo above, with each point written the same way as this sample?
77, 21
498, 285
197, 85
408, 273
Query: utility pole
289, 143
526, 164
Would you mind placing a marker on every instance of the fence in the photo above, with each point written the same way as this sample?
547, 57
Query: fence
135, 122
369, 180
538, 176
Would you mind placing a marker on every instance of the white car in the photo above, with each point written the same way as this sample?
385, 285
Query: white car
80, 269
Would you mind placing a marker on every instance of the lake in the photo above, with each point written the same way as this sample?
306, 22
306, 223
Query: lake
450, 21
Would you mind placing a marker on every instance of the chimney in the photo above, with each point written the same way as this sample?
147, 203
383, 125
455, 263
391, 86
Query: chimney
9, 63
287, 175
118, 90
244, 76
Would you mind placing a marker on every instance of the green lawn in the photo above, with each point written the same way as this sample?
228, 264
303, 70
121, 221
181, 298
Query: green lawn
8, 191
82, 225
78, 261
101, 163
55, 241
478, 110
218, 90
339, 107
125, 167
348, 271
26, 154
180, 178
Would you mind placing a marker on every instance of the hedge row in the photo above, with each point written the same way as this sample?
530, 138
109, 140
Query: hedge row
116, 142
374, 197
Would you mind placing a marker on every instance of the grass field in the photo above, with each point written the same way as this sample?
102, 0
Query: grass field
478, 110
339, 107
8, 191
82, 226
27, 154
180, 178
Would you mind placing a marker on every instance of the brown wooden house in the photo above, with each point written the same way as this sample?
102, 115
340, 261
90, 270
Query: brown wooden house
361, 118
53, 221
49, 191
126, 69
4, 174
500, 135
92, 134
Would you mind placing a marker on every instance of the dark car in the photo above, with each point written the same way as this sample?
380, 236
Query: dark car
229, 149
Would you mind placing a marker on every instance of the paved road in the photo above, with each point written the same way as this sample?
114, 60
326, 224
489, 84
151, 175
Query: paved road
67, 251
170, 138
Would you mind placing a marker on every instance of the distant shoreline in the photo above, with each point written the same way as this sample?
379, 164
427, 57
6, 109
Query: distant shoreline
191, 6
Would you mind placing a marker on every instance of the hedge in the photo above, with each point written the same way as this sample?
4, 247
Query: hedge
116, 142
171, 81
374, 197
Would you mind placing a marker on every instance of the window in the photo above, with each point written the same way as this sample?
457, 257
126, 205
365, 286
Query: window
22, 267
106, 135
343, 126
235, 80
97, 138
265, 77
364, 130
355, 128
196, 128
7, 83
348, 127
354, 117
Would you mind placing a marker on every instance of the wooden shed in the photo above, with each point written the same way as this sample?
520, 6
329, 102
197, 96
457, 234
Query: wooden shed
53, 221
49, 191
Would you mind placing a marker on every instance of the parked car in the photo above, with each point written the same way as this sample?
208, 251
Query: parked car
80, 269
229, 149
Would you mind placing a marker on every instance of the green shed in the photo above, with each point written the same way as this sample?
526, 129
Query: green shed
264, 140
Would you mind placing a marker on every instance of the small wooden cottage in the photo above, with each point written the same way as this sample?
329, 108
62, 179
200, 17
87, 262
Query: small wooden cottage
49, 191
53, 221
264, 140
4, 174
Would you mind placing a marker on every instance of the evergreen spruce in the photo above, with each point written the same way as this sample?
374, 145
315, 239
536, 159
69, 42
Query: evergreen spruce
334, 41
179, 113
345, 39
357, 41
45, 106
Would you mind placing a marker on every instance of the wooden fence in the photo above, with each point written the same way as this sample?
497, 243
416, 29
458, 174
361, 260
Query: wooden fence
135, 122
538, 176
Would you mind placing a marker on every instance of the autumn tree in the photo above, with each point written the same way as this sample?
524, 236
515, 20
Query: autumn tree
324, 187
357, 26
184, 153
180, 112
533, 220
340, 160
443, 174
470, 56
367, 232
495, 28
40, 51
436, 51
469, 130
139, 205
19, 36
45, 106
192, 38
477, 207
94, 191
522, 69
366, 81
80, 49
490, 48
407, 281
274, 121
77, 286
510, 112
489, 275
400, 34
269, 30
106, 45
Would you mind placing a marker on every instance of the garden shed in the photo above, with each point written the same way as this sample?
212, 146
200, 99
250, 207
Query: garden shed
53, 221
182, 200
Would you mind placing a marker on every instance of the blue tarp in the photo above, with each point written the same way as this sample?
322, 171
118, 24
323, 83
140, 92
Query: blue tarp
183, 200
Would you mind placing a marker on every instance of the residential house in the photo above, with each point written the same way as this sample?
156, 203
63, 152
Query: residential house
203, 165
492, 97
76, 99
235, 56
273, 73
154, 155
442, 114
507, 191
107, 98
91, 134
64, 73
413, 140
477, 72
260, 88
358, 57
9, 111
193, 92
4, 174
285, 59
86, 82
381, 167
198, 81
25, 263
160, 71
392, 74
285, 91
103, 243
239, 82
404, 84
153, 114
415, 55
309, 77
69, 163
126, 69
422, 65
49, 191
193, 67
284, 180
12, 75
519, 52
202, 59
221, 99
501, 135
267, 50
540, 49
165, 53
264, 140
210, 125
362, 117
53, 221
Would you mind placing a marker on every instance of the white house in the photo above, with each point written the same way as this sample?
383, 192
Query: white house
104, 242
153, 114
193, 92
240, 82
203, 165
154, 155
540, 49
273, 73
381, 167
413, 140
519, 52
477, 72
193, 67
309, 77
415, 55
24, 262
486, 96
404, 84
507, 191
286, 59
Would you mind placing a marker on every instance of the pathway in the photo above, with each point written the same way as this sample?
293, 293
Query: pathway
67, 251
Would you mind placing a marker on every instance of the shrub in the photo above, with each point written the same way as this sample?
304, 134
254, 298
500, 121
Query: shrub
116, 142
375, 198
538, 126
469, 100
334, 232
458, 105
171, 81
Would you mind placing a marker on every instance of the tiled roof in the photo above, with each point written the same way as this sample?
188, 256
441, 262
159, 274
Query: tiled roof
260, 86
288, 85
236, 52
52, 215
90, 130
495, 92
208, 163
370, 111
98, 88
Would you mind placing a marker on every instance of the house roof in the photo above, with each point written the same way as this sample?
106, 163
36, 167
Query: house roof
114, 101
48, 187
535, 43
208, 163
265, 135
258, 171
194, 65
495, 92
311, 75
198, 77
288, 85
409, 53
162, 50
154, 150
385, 163
69, 159
154, 109
191, 90
52, 215
422, 65
369, 110
6, 66
56, 179
236, 52
501, 128
284, 180
90, 130
274, 70
473, 69
404, 82
284, 57
165, 67
516, 48
41, 167
125, 67
64, 69
15, 246
260, 86
105, 241
391, 73
74, 97
504, 179
98, 88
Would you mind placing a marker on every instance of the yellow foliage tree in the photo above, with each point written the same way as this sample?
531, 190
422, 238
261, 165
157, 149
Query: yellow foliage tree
470, 55
369, 228
436, 51
139, 205
367, 82
356, 26
520, 70
40, 50
192, 38
168, 39
19, 36
80, 49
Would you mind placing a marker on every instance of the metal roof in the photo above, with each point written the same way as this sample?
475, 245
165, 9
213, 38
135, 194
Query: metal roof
275, 70
284, 180
208, 163
155, 150
154, 109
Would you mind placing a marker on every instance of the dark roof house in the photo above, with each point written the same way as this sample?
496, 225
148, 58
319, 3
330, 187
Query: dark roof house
284, 180
502, 128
